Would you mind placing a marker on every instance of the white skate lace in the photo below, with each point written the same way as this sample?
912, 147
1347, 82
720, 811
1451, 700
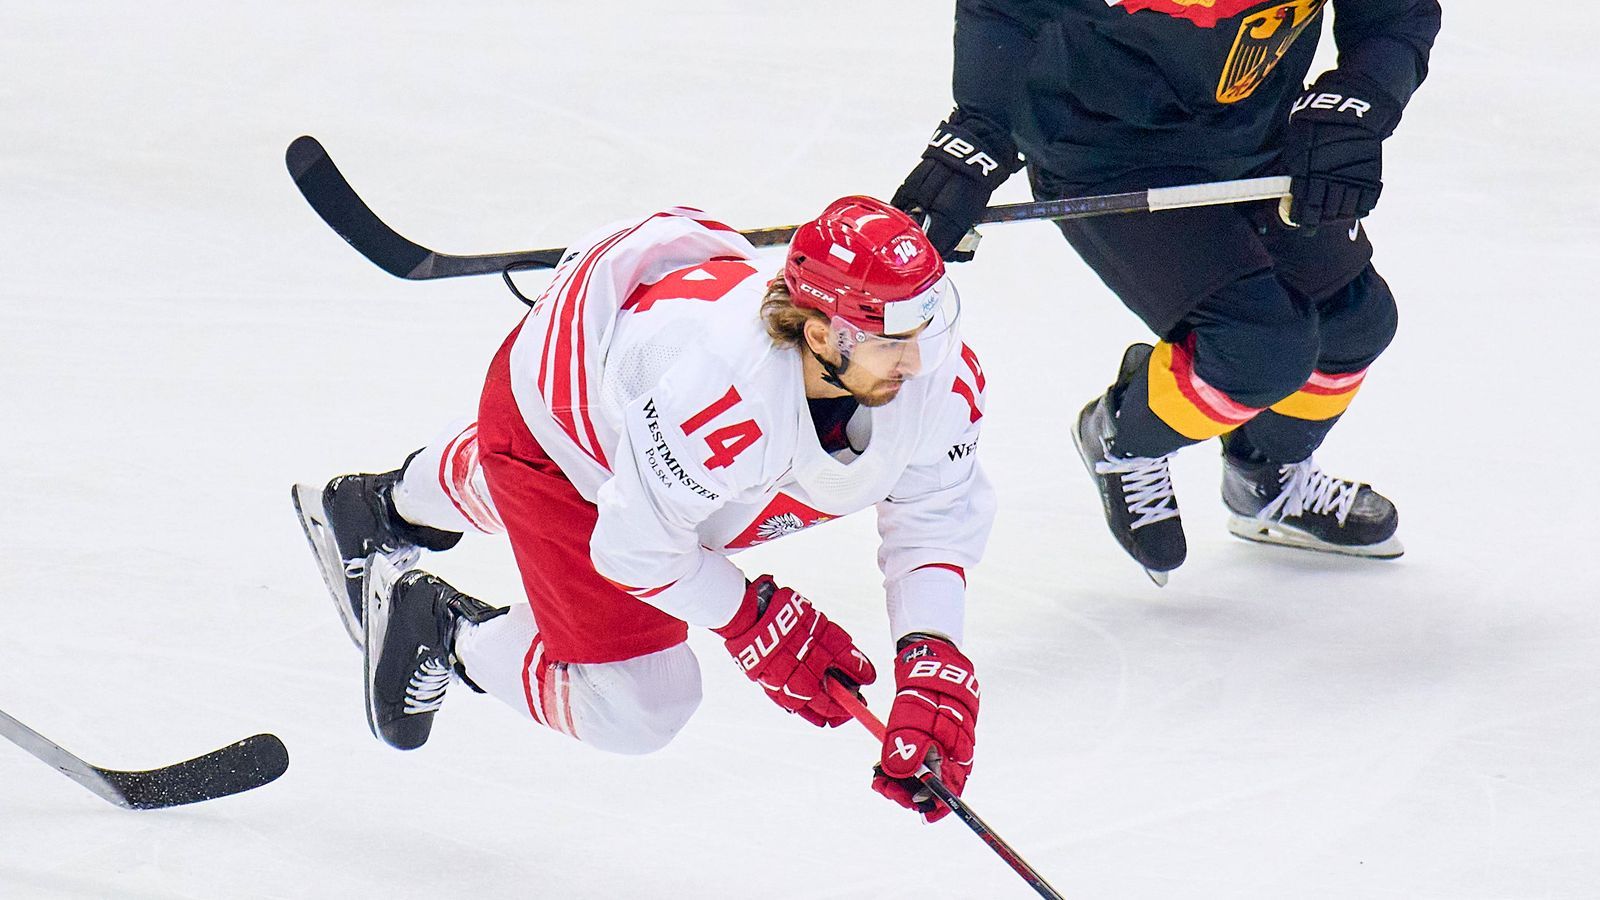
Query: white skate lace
1306, 487
1146, 486
403, 559
425, 692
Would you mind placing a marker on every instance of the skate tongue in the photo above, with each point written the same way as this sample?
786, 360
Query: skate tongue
1146, 487
1305, 486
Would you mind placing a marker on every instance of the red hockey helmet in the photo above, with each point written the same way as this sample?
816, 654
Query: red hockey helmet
891, 309
867, 263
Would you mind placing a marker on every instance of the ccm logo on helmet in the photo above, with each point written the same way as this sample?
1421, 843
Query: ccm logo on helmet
822, 295
963, 151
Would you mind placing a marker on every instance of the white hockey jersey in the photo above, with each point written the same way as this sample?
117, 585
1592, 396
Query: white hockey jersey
645, 372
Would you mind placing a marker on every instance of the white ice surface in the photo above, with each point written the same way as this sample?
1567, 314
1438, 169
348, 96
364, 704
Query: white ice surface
181, 338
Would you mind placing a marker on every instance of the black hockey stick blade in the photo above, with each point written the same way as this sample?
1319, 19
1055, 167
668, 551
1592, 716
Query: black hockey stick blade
326, 189
248, 764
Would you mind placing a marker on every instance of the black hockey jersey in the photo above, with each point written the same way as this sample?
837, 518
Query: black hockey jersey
1095, 88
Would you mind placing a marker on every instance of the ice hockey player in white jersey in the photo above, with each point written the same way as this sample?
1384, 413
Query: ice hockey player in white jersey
663, 405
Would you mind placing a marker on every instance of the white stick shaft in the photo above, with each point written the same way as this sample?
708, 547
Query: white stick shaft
1219, 192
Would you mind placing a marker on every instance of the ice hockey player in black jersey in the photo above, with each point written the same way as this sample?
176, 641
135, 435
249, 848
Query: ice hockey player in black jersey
1267, 315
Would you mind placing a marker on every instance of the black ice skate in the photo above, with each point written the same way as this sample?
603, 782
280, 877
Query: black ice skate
410, 621
352, 518
1298, 505
1136, 491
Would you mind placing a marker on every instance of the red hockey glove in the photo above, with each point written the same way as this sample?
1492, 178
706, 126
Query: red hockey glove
933, 721
785, 645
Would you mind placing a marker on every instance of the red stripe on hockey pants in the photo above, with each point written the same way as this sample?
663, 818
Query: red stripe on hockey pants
581, 617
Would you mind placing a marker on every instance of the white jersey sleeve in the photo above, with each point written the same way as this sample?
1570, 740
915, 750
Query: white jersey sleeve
935, 522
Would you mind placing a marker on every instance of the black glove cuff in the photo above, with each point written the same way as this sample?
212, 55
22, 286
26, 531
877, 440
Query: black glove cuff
975, 147
1348, 98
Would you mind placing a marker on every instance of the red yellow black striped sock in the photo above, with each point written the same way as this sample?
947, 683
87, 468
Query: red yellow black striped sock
1322, 397
1184, 401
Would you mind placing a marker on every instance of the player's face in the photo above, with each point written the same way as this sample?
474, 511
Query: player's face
874, 367
878, 369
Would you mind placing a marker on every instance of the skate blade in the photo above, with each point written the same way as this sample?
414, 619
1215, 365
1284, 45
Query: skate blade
1160, 578
377, 589
1268, 532
314, 522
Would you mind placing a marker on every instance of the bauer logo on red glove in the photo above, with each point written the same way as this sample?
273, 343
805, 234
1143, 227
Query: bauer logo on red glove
779, 624
785, 645
933, 722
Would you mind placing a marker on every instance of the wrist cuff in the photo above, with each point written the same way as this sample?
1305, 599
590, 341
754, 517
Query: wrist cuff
931, 599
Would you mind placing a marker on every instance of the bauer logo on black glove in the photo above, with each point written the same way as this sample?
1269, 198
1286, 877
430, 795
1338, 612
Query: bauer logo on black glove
963, 150
1335, 102
965, 160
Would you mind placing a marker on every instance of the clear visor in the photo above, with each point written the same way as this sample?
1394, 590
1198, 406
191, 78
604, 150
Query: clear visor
929, 335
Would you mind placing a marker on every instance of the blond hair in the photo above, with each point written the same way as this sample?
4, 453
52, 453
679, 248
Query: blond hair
786, 323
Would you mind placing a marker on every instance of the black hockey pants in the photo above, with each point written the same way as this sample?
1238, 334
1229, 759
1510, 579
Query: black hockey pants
1254, 308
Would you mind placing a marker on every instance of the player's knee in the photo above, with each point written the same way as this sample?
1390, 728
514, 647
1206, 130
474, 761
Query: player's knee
1254, 341
636, 706
1358, 324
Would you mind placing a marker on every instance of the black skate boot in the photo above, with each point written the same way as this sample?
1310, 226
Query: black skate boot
351, 519
1299, 505
410, 621
1136, 491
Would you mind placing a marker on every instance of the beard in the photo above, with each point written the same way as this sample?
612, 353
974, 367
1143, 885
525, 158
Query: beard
879, 394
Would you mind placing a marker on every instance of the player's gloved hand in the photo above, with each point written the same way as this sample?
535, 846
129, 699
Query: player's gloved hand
785, 645
1333, 150
933, 721
966, 159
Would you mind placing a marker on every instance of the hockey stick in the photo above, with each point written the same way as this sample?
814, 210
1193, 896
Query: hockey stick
846, 696
250, 763
326, 189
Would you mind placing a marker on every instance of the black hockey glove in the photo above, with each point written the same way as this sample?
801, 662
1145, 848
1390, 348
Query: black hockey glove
1333, 150
966, 159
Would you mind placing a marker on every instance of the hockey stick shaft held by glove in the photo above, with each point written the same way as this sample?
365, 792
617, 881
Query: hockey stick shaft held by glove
845, 695
332, 197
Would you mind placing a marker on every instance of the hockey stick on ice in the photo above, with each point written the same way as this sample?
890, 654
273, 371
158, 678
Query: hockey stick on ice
326, 189
250, 763
855, 706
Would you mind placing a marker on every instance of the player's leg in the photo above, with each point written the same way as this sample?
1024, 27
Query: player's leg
630, 706
1271, 483
1234, 342
585, 658
582, 657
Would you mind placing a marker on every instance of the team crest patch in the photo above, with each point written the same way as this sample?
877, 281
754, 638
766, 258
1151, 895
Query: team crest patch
780, 525
1263, 38
784, 515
